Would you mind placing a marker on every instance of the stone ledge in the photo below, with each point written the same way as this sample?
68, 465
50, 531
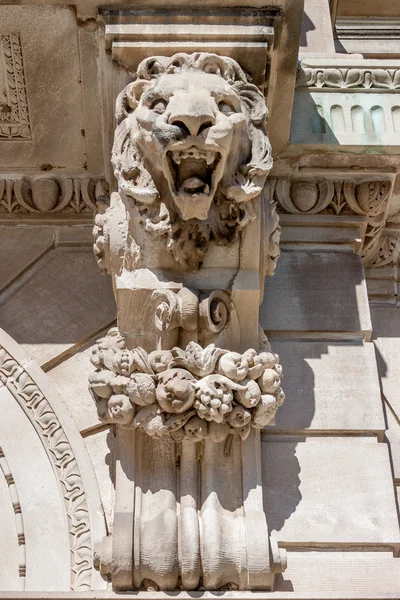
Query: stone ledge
200, 595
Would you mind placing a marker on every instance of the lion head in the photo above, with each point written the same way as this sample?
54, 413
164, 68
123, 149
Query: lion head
191, 149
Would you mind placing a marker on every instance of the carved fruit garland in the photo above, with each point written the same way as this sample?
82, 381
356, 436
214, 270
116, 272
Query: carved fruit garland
185, 394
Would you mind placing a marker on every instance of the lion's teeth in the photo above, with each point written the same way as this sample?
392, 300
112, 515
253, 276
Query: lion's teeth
208, 157
177, 157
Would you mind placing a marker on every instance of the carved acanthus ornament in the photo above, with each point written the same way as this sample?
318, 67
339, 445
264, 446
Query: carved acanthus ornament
187, 377
387, 251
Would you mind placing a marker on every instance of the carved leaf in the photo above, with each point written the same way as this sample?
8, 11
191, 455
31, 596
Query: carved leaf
307, 77
387, 250
333, 78
381, 79
396, 79
354, 78
373, 196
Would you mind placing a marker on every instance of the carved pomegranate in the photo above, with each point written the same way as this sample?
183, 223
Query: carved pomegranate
45, 194
304, 195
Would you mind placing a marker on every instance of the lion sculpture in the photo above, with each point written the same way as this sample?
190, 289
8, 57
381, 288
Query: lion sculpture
191, 150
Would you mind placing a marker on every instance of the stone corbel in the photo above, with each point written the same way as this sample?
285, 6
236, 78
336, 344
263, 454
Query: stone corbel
186, 378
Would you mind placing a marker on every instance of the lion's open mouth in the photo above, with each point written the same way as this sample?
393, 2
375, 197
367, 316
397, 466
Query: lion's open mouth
193, 170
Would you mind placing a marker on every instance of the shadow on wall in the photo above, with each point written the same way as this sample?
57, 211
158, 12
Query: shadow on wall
307, 26
58, 299
314, 312
386, 339
316, 122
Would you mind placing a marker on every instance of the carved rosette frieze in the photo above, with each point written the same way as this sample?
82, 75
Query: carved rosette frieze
47, 424
187, 394
368, 198
51, 195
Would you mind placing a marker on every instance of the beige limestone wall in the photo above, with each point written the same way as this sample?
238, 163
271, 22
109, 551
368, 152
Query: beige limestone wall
386, 339
327, 471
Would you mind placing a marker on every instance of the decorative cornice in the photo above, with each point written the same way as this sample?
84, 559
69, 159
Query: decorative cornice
345, 78
368, 198
35, 195
367, 28
24, 389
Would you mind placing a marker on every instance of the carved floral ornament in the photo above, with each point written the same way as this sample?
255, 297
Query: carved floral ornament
14, 115
185, 394
191, 153
54, 438
369, 199
345, 78
51, 195
387, 250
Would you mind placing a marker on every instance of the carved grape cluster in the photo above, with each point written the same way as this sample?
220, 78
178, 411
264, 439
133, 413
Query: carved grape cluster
187, 394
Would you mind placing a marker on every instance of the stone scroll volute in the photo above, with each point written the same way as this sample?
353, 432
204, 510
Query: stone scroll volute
186, 377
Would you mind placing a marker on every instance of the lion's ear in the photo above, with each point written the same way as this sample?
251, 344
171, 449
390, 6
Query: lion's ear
129, 98
254, 101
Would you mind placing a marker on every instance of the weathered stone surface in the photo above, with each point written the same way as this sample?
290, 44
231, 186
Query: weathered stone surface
393, 438
63, 301
39, 495
332, 491
22, 248
71, 379
50, 51
386, 334
329, 387
316, 39
355, 573
318, 293
9, 548
51, 481
100, 445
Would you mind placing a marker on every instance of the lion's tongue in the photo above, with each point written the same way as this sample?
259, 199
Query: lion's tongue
194, 185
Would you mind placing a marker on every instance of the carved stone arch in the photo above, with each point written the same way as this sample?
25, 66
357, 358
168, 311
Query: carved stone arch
53, 515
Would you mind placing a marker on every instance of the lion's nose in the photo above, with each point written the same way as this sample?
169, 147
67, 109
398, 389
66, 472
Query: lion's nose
192, 124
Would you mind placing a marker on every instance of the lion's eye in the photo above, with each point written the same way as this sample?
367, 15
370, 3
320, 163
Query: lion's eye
159, 106
225, 108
